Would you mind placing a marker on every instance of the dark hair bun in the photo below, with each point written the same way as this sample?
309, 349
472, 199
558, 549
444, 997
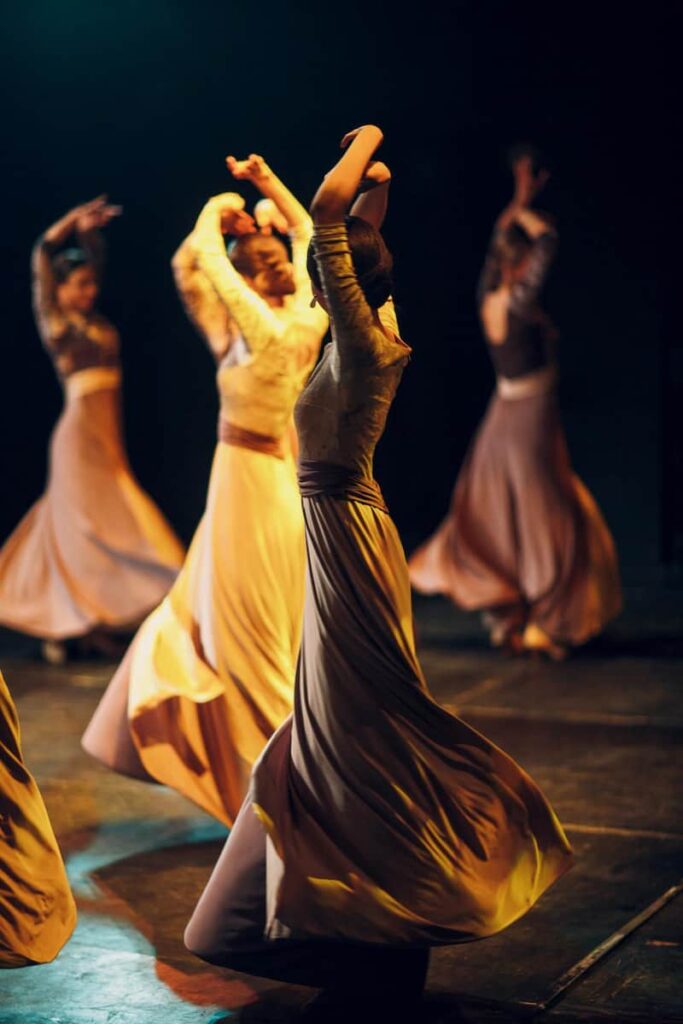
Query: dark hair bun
64, 263
372, 261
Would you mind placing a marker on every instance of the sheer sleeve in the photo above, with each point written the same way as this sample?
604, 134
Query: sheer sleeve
524, 293
353, 324
45, 307
255, 319
202, 304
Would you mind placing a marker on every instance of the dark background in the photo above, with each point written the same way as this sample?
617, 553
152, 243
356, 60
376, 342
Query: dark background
144, 99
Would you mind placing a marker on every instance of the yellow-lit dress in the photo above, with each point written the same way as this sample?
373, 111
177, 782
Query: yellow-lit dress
210, 674
37, 910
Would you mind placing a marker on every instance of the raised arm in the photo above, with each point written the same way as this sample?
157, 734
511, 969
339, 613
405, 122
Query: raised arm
255, 319
203, 306
84, 220
257, 171
373, 200
340, 187
355, 322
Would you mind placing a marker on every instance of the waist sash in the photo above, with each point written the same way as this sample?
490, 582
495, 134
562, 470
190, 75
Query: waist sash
335, 481
538, 382
95, 378
230, 433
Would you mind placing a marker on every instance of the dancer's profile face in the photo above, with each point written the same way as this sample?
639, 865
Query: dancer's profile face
78, 294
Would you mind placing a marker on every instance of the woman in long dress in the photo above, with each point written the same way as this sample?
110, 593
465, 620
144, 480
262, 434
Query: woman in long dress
37, 910
524, 541
210, 674
377, 823
94, 553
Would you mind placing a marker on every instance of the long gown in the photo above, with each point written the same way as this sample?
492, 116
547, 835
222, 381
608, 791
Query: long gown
524, 540
94, 551
374, 815
37, 910
210, 674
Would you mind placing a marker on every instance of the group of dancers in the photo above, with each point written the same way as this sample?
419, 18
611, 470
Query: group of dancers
276, 682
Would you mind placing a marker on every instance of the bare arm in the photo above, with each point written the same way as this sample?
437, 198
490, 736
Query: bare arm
353, 319
373, 201
340, 187
257, 171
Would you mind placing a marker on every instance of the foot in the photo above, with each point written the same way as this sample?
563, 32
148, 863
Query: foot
536, 641
54, 652
507, 639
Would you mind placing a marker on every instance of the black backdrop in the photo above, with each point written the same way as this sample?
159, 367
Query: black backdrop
144, 99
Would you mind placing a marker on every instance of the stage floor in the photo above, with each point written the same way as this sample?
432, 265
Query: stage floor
600, 733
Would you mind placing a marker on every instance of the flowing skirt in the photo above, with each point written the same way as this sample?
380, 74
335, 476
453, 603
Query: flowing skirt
94, 551
524, 539
210, 674
37, 910
388, 820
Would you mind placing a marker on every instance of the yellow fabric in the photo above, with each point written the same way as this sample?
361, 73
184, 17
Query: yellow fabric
212, 671
37, 910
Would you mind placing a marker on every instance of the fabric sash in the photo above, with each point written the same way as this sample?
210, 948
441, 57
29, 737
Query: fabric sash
95, 378
230, 433
334, 481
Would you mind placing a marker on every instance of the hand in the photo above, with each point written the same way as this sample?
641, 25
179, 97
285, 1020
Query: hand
376, 173
350, 136
234, 219
253, 169
95, 214
268, 217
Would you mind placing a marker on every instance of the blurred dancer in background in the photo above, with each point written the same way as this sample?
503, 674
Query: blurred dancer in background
94, 554
524, 541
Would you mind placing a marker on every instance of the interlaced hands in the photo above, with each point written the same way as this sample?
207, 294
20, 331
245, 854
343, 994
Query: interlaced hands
253, 169
269, 218
350, 136
528, 183
95, 214
234, 219
376, 173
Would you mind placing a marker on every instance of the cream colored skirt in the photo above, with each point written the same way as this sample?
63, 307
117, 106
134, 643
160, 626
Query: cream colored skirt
94, 551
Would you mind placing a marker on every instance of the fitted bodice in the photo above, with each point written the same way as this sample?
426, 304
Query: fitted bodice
342, 412
528, 344
75, 342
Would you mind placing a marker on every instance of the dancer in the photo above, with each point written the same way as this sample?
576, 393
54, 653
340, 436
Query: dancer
94, 553
210, 675
37, 910
377, 824
524, 540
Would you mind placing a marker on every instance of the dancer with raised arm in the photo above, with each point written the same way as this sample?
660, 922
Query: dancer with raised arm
377, 823
524, 541
210, 675
94, 554
37, 910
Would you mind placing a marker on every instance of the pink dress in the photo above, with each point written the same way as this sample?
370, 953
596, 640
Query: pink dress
94, 551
